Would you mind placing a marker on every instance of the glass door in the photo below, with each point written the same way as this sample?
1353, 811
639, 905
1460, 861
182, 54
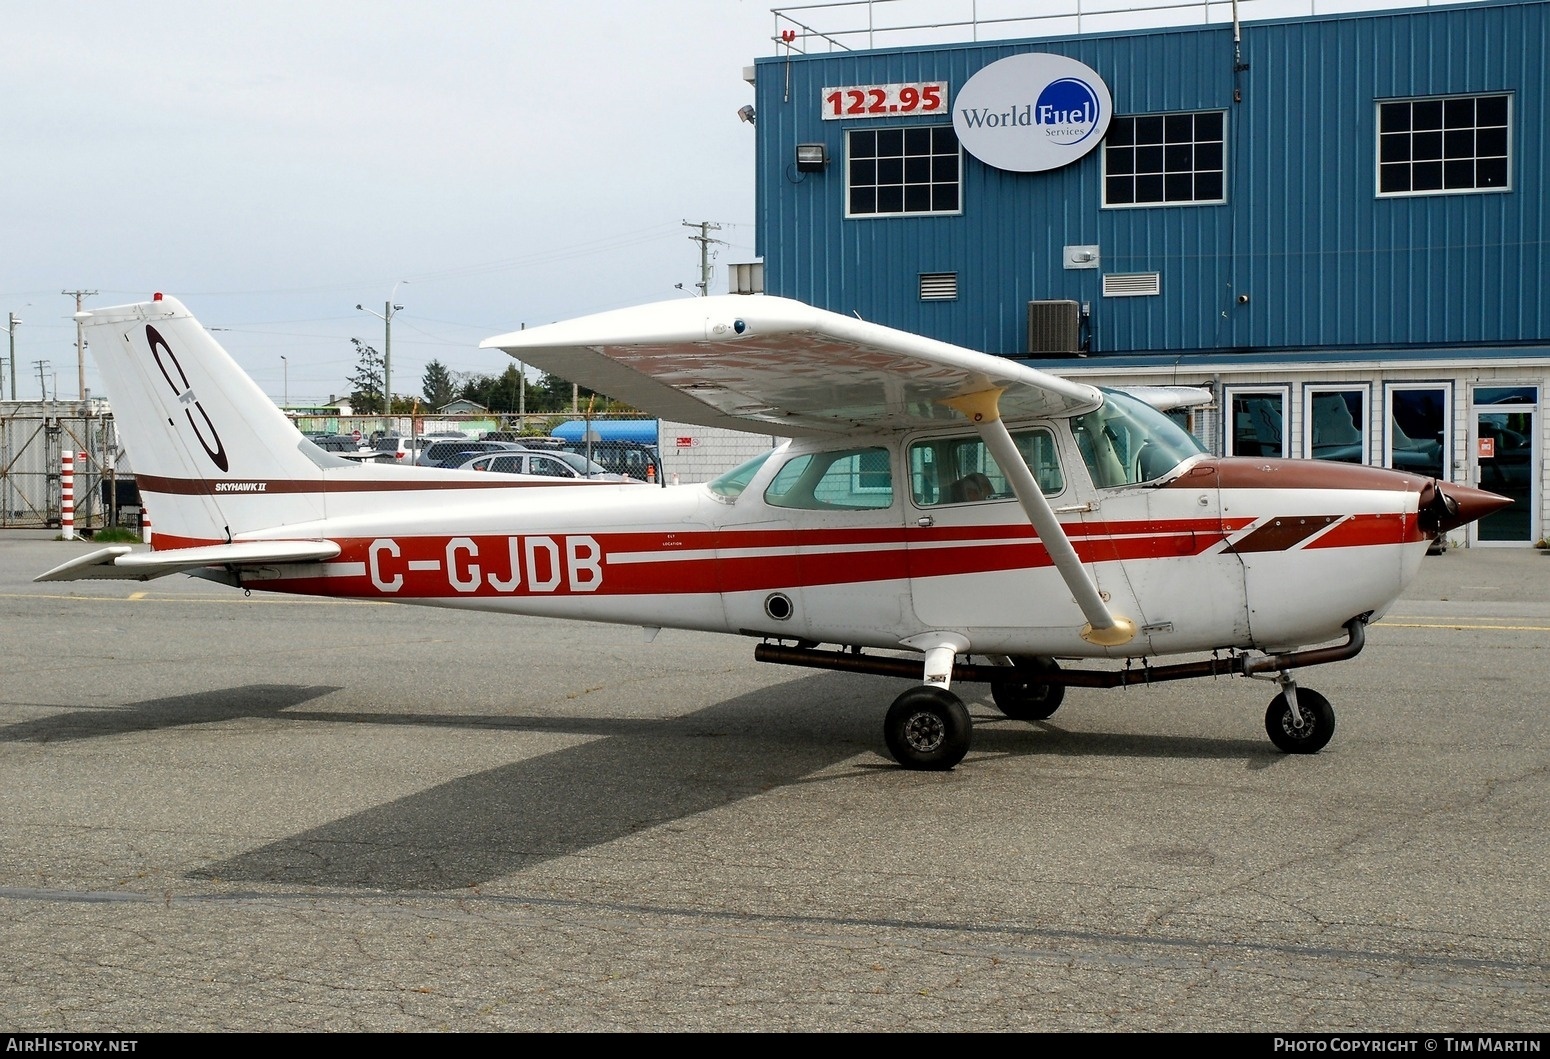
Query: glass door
1506, 461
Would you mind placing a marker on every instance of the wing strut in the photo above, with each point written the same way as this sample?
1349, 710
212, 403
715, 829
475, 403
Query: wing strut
983, 410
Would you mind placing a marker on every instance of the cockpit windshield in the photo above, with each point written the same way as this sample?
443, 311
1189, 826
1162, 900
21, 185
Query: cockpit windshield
1128, 442
730, 485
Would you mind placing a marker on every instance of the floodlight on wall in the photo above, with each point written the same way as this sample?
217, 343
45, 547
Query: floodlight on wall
812, 158
746, 113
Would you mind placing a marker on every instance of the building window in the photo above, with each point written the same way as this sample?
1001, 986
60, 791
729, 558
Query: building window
1256, 422
897, 171
1336, 422
1418, 430
1456, 144
1165, 159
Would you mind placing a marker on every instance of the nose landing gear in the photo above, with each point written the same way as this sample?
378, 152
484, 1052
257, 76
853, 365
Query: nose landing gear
1299, 722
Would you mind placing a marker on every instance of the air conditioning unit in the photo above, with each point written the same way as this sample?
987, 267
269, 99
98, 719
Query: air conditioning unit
1054, 327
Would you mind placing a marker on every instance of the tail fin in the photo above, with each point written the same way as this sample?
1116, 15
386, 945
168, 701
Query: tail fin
212, 453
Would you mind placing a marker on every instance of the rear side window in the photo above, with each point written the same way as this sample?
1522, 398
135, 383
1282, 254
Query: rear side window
852, 479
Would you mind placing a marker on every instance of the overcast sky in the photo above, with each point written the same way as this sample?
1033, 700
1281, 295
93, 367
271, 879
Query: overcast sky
488, 164
274, 163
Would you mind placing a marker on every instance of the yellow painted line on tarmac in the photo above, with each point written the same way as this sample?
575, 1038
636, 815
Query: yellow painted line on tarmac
1413, 624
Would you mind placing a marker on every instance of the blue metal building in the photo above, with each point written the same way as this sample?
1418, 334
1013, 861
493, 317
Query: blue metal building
1338, 223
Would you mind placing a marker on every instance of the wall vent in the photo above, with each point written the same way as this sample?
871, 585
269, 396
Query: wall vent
746, 278
1054, 327
938, 286
1131, 284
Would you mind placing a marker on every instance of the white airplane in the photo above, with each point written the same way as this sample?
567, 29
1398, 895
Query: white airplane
937, 514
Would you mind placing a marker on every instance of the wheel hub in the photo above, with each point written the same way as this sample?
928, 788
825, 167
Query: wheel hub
925, 732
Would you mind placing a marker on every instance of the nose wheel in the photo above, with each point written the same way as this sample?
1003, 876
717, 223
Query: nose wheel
1299, 721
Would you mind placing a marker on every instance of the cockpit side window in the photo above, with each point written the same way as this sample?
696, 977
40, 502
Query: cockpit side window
845, 480
960, 470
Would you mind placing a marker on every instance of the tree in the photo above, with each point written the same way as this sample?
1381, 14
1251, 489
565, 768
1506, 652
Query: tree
437, 385
366, 395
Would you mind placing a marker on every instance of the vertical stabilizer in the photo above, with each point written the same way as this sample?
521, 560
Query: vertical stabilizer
212, 454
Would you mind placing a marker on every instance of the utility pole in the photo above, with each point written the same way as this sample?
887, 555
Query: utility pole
43, 381
10, 329
80, 340
704, 240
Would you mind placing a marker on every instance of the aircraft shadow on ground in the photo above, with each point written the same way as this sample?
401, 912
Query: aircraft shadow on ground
633, 775
179, 711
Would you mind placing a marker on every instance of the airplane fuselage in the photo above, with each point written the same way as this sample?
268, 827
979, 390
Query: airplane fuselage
1230, 553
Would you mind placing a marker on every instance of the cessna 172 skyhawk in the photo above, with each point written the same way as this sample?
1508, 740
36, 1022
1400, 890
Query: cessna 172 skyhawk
936, 514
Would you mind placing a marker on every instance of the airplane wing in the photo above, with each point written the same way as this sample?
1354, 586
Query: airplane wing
122, 563
776, 366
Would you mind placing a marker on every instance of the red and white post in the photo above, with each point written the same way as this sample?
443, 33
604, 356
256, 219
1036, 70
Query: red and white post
145, 523
67, 496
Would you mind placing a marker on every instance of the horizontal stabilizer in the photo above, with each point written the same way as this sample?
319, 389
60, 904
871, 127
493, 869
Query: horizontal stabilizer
121, 562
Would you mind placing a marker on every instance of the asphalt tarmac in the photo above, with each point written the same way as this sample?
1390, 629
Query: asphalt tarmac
230, 813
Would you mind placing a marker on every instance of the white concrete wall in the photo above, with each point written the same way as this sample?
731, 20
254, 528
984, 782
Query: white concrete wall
698, 454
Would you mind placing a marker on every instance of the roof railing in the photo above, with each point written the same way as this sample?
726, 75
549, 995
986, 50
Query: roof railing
852, 25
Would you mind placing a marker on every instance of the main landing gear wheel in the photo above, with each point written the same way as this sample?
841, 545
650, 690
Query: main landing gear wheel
1023, 699
928, 729
1318, 722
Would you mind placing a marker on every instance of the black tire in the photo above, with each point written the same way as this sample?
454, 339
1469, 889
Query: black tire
1318, 722
928, 729
1024, 699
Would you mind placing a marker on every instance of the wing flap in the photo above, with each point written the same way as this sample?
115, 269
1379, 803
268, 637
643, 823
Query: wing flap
122, 563
776, 366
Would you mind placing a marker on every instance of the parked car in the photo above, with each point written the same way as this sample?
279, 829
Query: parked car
629, 458
401, 449
554, 464
337, 443
450, 452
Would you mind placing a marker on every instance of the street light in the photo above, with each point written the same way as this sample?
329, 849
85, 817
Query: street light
386, 316
285, 366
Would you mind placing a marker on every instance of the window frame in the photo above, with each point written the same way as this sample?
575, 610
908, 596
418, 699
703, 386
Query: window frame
1364, 427
1380, 143
1111, 150
1446, 438
1229, 417
853, 163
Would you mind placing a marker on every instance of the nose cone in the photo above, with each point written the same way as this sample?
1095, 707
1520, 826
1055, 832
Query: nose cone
1446, 506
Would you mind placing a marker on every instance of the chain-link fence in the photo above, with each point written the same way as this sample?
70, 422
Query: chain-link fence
33, 439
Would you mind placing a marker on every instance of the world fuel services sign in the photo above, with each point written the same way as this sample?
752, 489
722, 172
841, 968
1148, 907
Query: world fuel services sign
1032, 112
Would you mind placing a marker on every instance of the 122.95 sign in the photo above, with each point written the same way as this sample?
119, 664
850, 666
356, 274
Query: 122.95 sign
881, 101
